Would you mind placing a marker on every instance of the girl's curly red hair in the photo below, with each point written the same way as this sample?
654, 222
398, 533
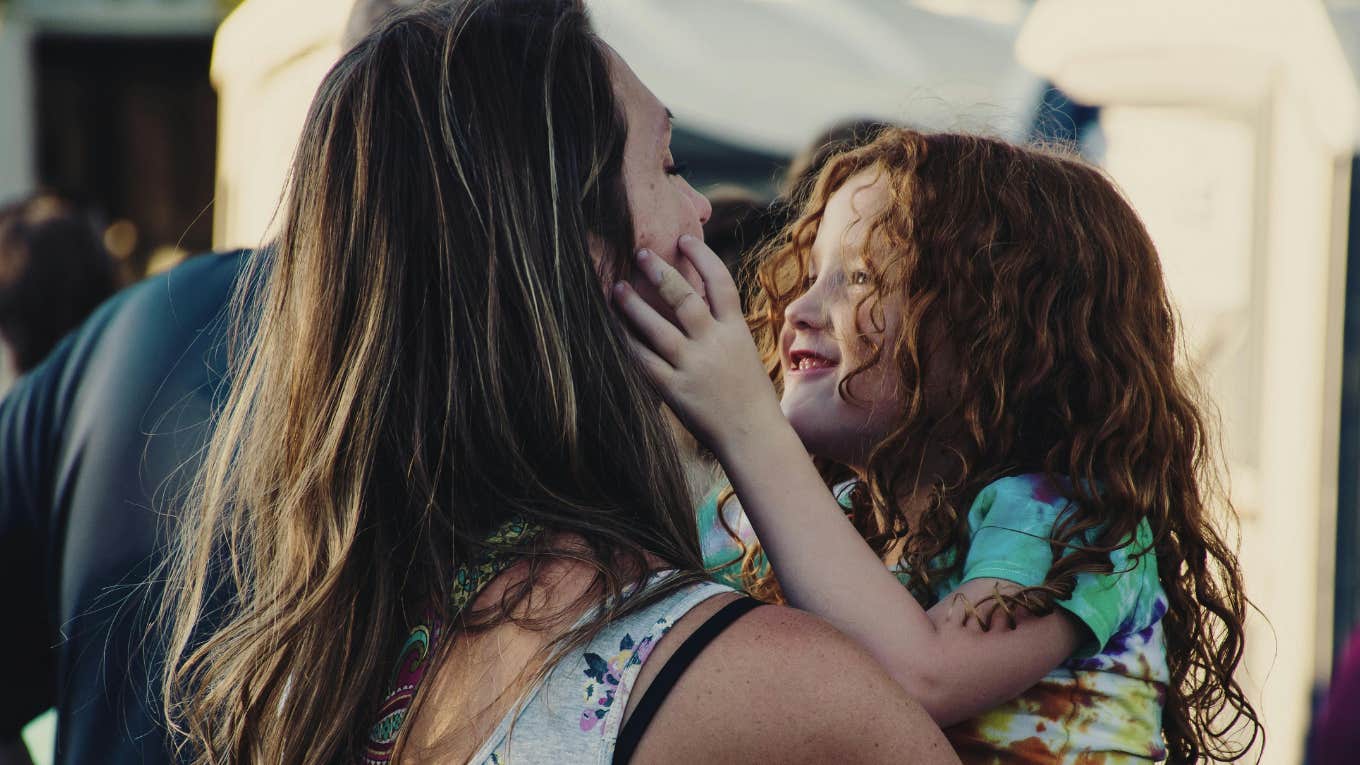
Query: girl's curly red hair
1047, 292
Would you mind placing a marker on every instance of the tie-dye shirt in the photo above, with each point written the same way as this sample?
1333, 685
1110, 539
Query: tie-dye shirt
1104, 704
722, 553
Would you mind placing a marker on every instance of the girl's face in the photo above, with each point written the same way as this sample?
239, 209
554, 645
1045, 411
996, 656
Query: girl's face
825, 328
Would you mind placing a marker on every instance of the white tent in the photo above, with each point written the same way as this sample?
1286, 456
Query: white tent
771, 74
765, 74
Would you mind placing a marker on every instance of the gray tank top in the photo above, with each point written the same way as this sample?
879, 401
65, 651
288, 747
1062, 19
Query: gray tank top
575, 714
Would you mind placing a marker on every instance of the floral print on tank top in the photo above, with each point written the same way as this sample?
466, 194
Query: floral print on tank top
598, 678
413, 661
604, 674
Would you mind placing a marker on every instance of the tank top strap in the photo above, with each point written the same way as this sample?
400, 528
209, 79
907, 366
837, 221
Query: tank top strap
576, 713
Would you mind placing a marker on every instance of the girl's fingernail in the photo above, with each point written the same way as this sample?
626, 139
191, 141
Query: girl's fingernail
689, 238
619, 288
644, 253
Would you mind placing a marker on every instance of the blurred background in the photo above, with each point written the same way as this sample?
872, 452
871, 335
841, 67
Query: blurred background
165, 128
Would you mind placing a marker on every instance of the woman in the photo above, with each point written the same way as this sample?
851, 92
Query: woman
437, 439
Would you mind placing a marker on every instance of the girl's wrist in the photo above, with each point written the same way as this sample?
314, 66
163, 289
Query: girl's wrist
764, 430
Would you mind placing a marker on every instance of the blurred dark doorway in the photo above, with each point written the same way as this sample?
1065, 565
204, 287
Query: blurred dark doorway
129, 126
1347, 608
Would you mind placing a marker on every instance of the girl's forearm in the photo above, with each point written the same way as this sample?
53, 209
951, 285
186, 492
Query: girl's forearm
823, 564
954, 670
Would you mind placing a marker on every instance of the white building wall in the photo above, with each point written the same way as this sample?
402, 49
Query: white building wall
121, 17
1230, 124
268, 59
18, 144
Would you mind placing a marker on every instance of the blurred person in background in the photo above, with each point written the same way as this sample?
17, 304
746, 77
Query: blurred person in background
1335, 738
98, 445
807, 165
740, 224
54, 271
741, 221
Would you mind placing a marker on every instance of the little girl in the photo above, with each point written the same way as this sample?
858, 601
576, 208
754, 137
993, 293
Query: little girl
974, 343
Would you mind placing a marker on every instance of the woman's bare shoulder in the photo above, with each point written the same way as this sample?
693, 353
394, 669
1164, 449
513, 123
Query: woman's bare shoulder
782, 685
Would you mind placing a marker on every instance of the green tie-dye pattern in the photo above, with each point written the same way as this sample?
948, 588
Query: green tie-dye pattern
1103, 705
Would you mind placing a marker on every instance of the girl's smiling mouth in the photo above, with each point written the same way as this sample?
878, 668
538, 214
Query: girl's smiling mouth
805, 361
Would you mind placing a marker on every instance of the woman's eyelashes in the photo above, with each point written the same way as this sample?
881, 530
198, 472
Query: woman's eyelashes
676, 168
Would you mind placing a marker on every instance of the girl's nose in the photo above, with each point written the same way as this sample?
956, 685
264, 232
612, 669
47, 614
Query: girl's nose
807, 311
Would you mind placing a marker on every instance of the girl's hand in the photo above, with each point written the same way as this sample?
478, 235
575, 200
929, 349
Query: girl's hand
707, 368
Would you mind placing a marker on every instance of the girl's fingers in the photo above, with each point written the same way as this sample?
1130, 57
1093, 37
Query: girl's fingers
723, 297
661, 336
656, 367
676, 292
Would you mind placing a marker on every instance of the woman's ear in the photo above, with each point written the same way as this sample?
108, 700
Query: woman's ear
605, 269
597, 249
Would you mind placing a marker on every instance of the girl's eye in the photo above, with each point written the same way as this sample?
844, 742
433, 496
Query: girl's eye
808, 281
677, 168
860, 278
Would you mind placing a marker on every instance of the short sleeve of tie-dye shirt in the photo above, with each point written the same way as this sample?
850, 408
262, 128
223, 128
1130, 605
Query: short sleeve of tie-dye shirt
1105, 703
1012, 521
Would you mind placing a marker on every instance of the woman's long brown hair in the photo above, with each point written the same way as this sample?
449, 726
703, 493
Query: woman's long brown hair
428, 353
1043, 289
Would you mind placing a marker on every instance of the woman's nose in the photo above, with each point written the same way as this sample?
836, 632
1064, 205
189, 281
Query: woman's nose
701, 204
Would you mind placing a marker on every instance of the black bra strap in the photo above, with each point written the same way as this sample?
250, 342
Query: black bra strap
665, 680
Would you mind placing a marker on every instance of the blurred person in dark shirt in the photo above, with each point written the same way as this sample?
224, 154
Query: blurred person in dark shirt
1336, 728
740, 224
54, 271
807, 164
98, 445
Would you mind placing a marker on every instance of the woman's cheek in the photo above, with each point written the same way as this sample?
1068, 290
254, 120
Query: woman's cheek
664, 246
